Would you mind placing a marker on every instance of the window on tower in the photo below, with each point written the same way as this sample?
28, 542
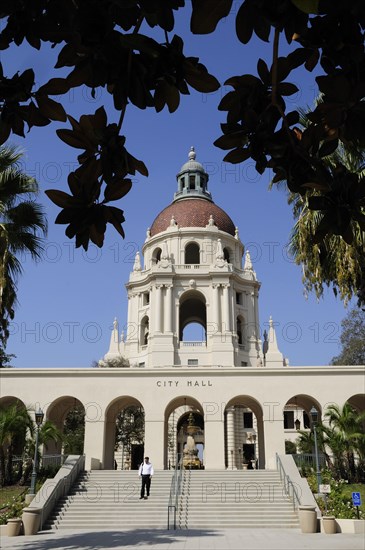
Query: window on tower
192, 182
192, 254
144, 331
156, 256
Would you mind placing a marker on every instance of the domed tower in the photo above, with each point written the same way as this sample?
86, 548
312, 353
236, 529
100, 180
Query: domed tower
192, 275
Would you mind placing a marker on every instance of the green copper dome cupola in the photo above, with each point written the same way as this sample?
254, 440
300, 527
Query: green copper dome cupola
192, 180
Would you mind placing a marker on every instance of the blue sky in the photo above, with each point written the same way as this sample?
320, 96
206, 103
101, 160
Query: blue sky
68, 301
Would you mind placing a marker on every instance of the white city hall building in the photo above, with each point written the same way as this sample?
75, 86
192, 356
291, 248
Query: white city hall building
245, 398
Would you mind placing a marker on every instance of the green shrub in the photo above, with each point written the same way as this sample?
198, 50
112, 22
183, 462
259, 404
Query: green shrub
12, 509
338, 504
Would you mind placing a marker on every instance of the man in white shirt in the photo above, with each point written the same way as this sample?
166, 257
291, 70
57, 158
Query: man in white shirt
146, 472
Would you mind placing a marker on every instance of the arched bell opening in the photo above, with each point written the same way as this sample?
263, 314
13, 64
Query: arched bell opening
241, 331
156, 256
192, 310
227, 255
144, 331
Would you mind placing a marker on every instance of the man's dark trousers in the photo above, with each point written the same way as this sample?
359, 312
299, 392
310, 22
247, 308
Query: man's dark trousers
146, 483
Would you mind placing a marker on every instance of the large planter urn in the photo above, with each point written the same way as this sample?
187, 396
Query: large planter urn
329, 525
13, 527
308, 519
31, 520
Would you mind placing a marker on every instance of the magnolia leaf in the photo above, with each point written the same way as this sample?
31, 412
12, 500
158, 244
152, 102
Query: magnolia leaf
117, 189
244, 23
207, 14
307, 6
237, 155
263, 71
61, 198
55, 86
287, 88
74, 139
50, 108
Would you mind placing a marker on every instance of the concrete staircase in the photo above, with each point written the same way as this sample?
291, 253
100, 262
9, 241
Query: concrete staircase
105, 499
244, 498
109, 499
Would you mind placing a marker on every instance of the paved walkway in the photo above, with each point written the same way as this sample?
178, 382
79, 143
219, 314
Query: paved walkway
230, 539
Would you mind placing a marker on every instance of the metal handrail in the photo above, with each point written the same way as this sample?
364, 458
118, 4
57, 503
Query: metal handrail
288, 484
175, 491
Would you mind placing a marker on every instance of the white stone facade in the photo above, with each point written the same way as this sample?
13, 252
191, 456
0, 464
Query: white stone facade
190, 274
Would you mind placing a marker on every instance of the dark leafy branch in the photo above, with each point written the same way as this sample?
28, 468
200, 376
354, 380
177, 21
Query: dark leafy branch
102, 45
105, 44
259, 126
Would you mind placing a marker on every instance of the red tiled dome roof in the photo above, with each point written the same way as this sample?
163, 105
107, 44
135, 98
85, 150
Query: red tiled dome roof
192, 213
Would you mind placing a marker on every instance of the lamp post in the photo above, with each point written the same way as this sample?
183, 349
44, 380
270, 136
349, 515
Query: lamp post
314, 416
39, 415
239, 465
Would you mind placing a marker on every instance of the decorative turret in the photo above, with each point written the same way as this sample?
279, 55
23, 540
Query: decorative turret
272, 354
192, 179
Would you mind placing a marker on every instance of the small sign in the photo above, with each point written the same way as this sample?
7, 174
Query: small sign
325, 489
356, 499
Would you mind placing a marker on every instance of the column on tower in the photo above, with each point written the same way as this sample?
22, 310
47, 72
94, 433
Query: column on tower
216, 318
226, 315
132, 329
158, 306
168, 309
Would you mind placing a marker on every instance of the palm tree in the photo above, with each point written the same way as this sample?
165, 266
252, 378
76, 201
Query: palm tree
332, 260
21, 222
345, 435
15, 421
305, 444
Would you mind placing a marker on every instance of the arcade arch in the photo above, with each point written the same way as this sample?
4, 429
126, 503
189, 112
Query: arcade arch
244, 433
176, 419
297, 416
124, 434
59, 412
357, 401
9, 400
